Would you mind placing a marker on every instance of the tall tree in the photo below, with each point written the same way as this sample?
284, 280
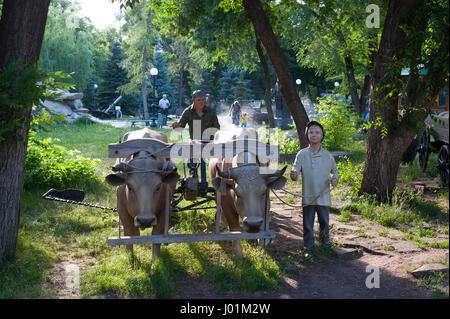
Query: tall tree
138, 48
264, 31
228, 42
112, 78
29, 17
67, 44
414, 33
163, 85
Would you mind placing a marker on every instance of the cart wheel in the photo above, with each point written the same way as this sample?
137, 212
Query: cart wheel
423, 148
442, 164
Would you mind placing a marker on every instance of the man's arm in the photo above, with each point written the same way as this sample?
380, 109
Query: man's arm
183, 120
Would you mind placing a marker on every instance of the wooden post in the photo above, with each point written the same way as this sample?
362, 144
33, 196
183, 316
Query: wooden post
166, 211
266, 217
218, 210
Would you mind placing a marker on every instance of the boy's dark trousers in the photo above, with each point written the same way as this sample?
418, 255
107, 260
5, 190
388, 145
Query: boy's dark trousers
323, 215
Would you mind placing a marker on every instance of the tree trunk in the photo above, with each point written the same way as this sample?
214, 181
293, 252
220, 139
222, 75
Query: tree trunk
22, 28
350, 74
308, 90
144, 68
267, 99
373, 43
264, 31
364, 91
384, 151
180, 90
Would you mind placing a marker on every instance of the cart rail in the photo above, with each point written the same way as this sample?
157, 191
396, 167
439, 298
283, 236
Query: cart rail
189, 238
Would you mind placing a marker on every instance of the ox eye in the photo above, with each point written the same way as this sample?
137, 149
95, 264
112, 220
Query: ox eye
158, 188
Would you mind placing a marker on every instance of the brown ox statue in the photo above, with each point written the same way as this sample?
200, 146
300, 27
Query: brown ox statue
241, 176
142, 181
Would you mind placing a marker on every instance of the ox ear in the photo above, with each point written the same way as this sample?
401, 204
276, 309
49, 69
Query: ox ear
116, 179
171, 178
217, 183
276, 180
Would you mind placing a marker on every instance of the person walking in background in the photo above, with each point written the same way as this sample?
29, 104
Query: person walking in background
164, 106
244, 119
235, 112
118, 112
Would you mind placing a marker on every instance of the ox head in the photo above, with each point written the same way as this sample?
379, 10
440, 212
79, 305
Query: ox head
143, 180
250, 187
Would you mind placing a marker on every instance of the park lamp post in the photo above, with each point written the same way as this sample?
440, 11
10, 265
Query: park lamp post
95, 86
154, 73
298, 82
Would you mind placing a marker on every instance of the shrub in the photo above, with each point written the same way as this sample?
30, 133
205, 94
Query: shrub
339, 123
350, 174
50, 165
290, 146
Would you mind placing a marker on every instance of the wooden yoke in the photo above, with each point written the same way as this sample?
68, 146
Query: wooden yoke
195, 149
188, 150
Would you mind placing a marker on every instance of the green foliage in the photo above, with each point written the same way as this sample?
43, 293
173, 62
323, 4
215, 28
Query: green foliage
339, 123
350, 174
290, 146
18, 92
53, 166
111, 78
234, 85
67, 43
406, 211
345, 217
21, 88
134, 45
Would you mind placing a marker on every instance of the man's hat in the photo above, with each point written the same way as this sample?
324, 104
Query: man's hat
314, 123
197, 93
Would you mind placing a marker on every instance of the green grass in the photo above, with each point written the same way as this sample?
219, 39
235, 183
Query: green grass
408, 210
345, 216
51, 232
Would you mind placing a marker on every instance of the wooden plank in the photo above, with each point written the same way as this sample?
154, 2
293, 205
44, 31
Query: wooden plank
188, 238
196, 150
167, 210
218, 210
130, 147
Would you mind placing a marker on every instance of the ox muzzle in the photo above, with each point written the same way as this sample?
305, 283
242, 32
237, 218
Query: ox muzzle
145, 221
252, 224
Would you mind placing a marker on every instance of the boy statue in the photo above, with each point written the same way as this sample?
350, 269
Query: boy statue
315, 164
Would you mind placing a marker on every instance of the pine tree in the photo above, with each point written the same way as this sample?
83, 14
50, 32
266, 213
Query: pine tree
234, 85
227, 82
242, 88
113, 77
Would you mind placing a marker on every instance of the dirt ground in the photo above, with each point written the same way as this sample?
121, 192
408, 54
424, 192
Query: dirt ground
360, 249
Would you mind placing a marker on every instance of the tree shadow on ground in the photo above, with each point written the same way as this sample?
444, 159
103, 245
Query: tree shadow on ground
326, 276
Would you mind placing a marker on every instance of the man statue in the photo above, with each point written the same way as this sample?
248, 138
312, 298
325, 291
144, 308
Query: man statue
198, 114
164, 106
199, 118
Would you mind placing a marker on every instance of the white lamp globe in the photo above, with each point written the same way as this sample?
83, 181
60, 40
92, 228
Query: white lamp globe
154, 71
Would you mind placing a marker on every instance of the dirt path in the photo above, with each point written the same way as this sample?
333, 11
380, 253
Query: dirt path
346, 275
361, 246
